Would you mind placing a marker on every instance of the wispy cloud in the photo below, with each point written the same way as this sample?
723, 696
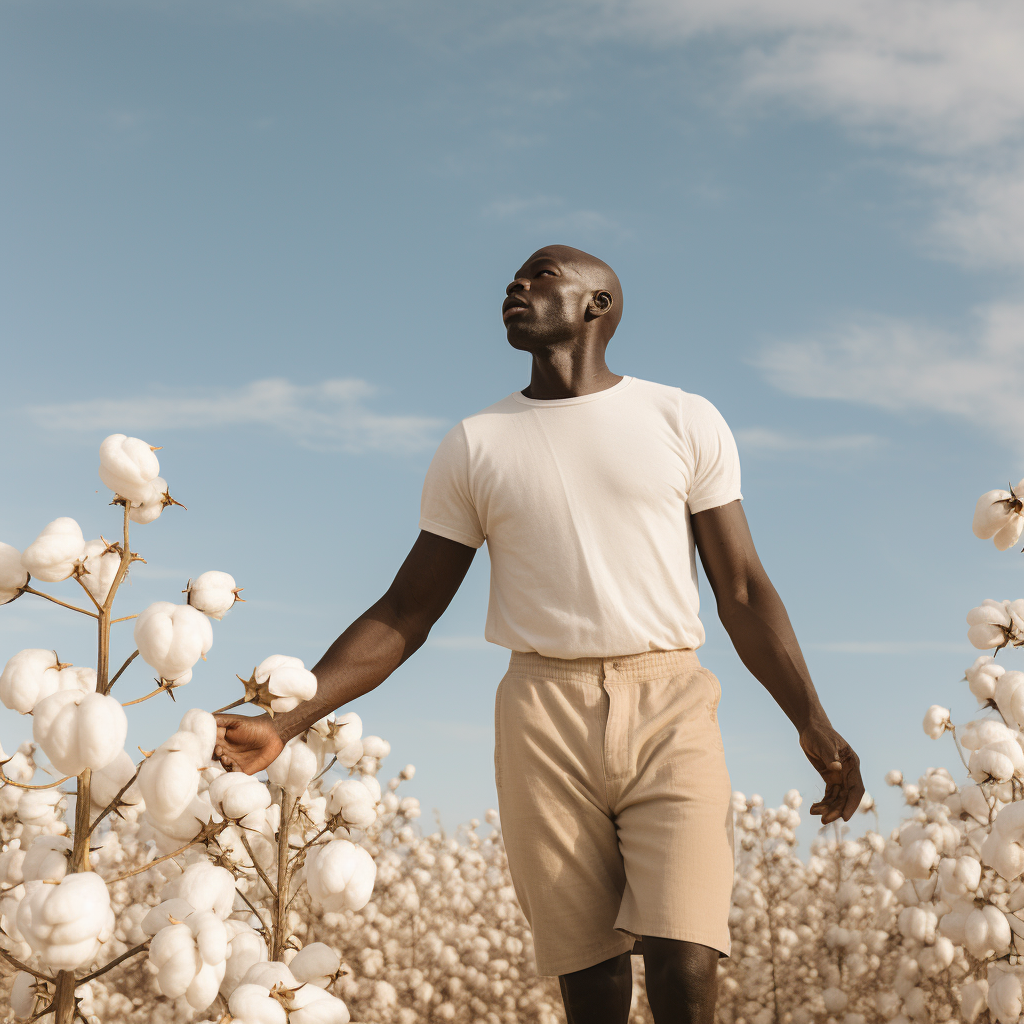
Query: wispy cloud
903, 367
763, 440
332, 415
548, 213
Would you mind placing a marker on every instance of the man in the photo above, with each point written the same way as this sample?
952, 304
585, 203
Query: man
591, 491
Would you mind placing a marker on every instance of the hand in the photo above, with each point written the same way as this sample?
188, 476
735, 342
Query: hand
839, 766
246, 744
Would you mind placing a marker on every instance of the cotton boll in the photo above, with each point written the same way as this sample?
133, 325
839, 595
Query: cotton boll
52, 555
153, 504
984, 731
34, 673
987, 933
235, 795
982, 677
213, 593
1004, 998
23, 994
1009, 534
128, 467
987, 764
936, 719
79, 730
107, 782
340, 875
100, 562
354, 802
160, 916
294, 767
270, 974
13, 575
310, 1004
202, 990
205, 887
253, 1004
973, 999
374, 746
172, 638
245, 948
173, 953
169, 780
285, 681
66, 923
46, 859
316, 964
203, 725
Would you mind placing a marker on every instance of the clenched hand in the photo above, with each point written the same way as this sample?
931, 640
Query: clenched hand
839, 766
246, 744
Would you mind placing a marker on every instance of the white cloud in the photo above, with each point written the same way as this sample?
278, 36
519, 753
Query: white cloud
766, 441
547, 213
331, 415
904, 367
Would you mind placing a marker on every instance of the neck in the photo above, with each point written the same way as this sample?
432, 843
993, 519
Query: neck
564, 373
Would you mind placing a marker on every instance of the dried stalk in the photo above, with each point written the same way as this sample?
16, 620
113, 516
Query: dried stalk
63, 604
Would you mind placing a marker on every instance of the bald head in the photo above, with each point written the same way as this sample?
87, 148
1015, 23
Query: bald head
562, 292
596, 274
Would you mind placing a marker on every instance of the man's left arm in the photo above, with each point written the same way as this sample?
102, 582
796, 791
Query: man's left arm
755, 619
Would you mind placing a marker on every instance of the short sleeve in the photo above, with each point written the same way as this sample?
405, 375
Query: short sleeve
446, 507
716, 475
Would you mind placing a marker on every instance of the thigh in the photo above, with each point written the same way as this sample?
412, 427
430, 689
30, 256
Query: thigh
675, 821
559, 836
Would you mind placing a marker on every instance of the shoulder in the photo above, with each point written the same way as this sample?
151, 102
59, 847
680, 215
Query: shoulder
693, 410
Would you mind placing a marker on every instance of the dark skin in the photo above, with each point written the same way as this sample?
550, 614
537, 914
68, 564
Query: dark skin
562, 308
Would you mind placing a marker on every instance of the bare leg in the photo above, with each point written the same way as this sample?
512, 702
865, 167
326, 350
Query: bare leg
682, 981
600, 994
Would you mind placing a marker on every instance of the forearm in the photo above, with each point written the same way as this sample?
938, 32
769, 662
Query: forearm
763, 636
357, 662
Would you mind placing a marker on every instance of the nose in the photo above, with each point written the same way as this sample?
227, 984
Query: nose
520, 284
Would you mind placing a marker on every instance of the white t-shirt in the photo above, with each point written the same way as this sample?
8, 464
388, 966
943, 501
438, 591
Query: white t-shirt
585, 507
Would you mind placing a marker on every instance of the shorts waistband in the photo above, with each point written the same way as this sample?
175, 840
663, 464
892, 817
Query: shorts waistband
627, 668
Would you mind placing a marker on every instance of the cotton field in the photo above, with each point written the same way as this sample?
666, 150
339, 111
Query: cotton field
161, 888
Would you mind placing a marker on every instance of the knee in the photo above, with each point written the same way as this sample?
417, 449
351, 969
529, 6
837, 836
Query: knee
681, 978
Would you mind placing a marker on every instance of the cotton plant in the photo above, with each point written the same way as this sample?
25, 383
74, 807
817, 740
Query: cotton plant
169, 858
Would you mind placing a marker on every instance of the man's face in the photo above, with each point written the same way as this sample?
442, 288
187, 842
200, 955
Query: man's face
545, 303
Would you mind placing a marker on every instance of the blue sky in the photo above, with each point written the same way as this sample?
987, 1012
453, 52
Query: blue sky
274, 237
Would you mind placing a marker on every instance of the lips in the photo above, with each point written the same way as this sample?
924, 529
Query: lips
511, 306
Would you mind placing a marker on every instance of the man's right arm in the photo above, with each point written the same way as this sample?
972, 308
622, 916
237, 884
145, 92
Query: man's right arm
362, 657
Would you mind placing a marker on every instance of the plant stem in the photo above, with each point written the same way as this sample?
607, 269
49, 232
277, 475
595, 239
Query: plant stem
159, 860
117, 797
63, 604
288, 804
113, 963
80, 851
92, 596
117, 674
15, 962
256, 864
125, 618
139, 700
228, 707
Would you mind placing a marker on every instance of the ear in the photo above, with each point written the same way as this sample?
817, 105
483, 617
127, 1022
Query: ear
599, 304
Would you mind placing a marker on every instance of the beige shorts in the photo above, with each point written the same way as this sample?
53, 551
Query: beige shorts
615, 803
